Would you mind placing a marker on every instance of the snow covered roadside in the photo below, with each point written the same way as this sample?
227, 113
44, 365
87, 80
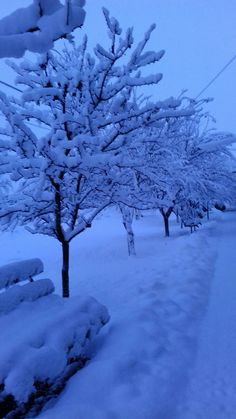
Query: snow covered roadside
141, 360
212, 389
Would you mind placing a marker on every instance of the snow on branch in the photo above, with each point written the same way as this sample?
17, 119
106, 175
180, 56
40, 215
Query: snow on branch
35, 28
112, 23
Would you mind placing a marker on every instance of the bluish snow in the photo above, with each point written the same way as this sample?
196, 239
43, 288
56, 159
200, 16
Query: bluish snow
212, 390
169, 350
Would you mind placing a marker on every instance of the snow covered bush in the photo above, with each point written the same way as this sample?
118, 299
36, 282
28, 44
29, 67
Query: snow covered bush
36, 27
45, 339
45, 342
88, 104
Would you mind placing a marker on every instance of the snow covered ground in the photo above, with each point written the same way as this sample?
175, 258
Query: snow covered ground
212, 392
143, 359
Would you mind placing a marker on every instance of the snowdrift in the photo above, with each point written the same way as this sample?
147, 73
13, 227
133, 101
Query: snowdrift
45, 339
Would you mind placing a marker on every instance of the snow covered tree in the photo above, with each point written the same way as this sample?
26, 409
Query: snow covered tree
127, 217
87, 103
205, 171
183, 168
35, 28
5, 186
158, 176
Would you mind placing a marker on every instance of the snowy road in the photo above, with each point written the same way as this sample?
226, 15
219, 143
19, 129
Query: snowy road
212, 390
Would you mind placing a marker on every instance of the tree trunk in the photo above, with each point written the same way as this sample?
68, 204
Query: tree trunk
127, 215
208, 213
65, 270
177, 216
138, 214
165, 215
166, 224
130, 240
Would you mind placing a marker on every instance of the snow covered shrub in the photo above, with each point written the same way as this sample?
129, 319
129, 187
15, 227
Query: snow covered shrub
44, 343
45, 339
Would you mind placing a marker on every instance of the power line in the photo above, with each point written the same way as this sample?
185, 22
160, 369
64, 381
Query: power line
11, 87
216, 76
199, 94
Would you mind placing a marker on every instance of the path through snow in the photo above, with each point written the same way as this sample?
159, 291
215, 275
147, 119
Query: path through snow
141, 360
212, 390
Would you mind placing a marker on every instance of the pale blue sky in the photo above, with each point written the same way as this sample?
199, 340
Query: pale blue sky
199, 37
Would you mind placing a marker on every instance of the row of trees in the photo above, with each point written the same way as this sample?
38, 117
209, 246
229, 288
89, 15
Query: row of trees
186, 170
105, 144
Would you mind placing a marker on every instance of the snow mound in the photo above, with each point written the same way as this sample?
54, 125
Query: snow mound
41, 339
19, 271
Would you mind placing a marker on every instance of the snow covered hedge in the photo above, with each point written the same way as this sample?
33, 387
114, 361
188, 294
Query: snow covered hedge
43, 344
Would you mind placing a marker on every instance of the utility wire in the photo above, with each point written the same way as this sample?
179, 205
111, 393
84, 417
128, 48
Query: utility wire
216, 76
199, 94
12, 87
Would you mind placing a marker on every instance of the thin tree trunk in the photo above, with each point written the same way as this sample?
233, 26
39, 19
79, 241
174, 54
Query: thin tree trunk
130, 240
166, 224
138, 214
177, 216
127, 215
65, 270
165, 215
208, 213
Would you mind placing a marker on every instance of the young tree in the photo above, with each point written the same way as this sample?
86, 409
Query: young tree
35, 28
127, 217
66, 177
207, 168
159, 177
